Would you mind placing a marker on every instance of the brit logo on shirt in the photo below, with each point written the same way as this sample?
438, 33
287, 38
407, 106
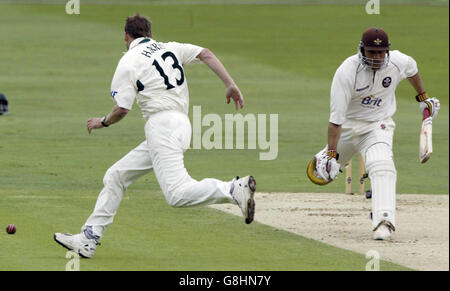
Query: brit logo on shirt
371, 100
387, 82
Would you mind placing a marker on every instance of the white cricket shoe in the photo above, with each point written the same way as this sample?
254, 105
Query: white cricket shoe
383, 231
78, 243
242, 190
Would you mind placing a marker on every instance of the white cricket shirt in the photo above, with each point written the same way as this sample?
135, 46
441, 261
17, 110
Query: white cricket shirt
153, 73
359, 93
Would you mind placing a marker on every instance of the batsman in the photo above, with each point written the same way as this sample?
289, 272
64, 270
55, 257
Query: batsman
362, 104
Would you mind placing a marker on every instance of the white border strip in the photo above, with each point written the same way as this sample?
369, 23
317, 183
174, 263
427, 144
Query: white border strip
233, 2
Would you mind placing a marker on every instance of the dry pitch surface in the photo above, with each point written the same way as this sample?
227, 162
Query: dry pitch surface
421, 241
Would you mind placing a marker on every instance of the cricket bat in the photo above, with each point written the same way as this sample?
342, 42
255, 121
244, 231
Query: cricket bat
425, 140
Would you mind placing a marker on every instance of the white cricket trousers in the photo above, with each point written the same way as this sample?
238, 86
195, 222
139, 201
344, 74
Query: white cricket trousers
374, 141
168, 135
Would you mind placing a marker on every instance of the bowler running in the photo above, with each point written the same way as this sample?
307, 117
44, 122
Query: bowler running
152, 73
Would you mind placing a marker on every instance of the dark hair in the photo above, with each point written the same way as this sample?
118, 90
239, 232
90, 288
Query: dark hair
138, 26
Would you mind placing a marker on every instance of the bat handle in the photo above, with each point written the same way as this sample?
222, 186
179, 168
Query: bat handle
426, 113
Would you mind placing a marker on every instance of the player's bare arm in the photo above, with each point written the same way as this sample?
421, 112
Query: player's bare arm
232, 91
416, 82
329, 167
116, 114
334, 133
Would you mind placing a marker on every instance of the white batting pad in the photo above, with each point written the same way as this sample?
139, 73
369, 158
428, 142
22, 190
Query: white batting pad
381, 169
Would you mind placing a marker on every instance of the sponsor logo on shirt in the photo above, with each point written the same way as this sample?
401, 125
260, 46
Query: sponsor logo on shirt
371, 101
113, 94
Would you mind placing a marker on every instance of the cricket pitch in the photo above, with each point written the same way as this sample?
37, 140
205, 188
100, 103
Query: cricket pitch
421, 241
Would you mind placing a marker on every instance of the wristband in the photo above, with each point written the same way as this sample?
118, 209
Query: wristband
103, 122
333, 154
422, 97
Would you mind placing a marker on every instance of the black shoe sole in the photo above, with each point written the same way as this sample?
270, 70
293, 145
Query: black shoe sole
251, 202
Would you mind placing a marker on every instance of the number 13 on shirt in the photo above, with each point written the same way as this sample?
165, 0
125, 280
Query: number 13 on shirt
175, 66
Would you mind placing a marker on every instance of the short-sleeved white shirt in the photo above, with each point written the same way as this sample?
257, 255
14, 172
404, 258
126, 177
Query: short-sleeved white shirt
360, 93
153, 73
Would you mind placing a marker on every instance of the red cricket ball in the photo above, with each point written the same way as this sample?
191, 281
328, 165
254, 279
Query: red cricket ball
11, 229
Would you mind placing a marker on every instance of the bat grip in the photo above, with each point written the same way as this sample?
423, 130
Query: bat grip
426, 113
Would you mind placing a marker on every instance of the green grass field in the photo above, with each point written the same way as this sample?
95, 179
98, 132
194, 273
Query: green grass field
56, 69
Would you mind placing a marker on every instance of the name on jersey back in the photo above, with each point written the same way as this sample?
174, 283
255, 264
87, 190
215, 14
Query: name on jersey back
150, 49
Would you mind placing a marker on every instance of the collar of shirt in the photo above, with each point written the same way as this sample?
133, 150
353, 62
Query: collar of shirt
138, 40
369, 69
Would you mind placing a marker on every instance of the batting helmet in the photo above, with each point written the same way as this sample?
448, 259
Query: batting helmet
374, 39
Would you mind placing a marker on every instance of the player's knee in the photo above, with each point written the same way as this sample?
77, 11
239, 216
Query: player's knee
176, 201
112, 176
174, 197
379, 158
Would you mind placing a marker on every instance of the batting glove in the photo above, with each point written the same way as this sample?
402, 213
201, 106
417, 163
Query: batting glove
432, 104
326, 164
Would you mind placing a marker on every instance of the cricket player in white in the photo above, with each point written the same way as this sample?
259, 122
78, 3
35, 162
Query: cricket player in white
361, 108
153, 73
